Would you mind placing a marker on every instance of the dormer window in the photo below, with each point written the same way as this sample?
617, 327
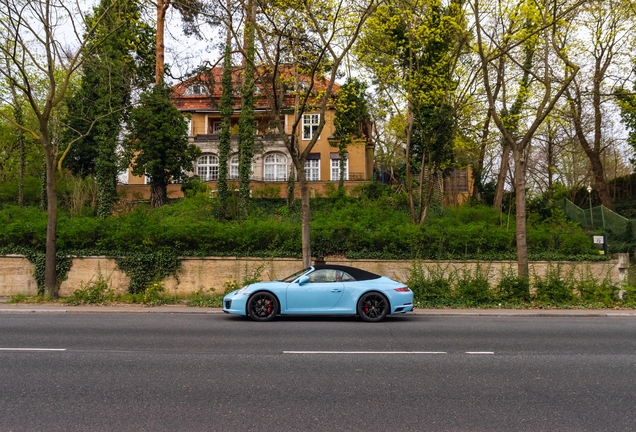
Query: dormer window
196, 89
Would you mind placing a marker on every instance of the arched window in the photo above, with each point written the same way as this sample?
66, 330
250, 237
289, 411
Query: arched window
234, 165
275, 167
208, 167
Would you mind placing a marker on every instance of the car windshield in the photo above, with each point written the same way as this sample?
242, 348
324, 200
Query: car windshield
295, 275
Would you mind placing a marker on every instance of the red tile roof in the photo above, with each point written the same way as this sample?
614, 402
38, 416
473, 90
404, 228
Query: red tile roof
212, 80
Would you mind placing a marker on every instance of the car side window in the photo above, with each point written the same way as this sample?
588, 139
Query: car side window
322, 276
346, 277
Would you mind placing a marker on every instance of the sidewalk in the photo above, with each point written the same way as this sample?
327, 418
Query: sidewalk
171, 309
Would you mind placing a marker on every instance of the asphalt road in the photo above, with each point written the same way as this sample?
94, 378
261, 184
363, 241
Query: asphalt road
155, 372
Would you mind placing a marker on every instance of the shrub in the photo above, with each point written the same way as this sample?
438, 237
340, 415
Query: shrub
474, 287
192, 186
429, 283
94, 292
32, 191
266, 191
212, 298
554, 286
595, 289
512, 287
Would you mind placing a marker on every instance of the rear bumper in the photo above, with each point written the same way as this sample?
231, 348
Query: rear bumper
402, 309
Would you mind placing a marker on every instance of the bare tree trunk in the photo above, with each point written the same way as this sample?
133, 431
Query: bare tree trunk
478, 168
600, 183
50, 272
162, 9
306, 218
157, 193
22, 165
501, 179
424, 177
520, 201
550, 156
409, 185
593, 151
429, 194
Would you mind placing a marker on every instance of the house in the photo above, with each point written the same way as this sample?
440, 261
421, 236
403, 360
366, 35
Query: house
200, 96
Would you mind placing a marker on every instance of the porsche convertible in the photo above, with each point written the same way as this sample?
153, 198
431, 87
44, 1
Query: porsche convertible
322, 290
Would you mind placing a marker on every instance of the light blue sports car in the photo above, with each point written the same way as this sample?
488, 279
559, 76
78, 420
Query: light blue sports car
322, 290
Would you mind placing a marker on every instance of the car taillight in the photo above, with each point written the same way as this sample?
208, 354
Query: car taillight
403, 289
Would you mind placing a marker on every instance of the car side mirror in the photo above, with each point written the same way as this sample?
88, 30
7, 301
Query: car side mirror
302, 280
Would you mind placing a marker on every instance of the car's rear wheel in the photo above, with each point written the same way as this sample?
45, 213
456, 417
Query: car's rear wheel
373, 307
262, 306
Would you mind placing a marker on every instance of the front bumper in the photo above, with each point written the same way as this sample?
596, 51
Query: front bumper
235, 303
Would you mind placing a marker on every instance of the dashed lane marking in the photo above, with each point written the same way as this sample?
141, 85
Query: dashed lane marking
364, 352
32, 349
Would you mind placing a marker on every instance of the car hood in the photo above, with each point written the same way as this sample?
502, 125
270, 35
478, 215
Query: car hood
264, 285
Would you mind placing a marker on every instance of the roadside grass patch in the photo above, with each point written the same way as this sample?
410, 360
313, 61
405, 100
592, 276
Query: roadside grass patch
94, 292
214, 298
436, 286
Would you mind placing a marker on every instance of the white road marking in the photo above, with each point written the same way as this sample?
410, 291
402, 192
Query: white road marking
479, 352
364, 352
32, 349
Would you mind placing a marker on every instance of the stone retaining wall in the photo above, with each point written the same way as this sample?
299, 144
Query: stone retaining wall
16, 272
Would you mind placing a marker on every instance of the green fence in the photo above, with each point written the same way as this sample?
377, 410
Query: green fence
600, 218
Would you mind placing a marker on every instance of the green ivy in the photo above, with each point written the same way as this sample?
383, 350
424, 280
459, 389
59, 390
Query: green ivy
143, 268
63, 263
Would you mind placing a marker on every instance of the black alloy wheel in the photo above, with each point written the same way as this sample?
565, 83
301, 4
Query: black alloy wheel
373, 307
262, 306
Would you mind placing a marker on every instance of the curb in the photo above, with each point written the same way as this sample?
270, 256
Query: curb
531, 313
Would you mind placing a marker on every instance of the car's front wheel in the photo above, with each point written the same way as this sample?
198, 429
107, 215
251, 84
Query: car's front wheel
373, 307
262, 306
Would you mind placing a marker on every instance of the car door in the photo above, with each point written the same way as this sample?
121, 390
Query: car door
320, 292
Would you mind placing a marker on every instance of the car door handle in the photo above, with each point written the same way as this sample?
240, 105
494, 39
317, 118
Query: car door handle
336, 290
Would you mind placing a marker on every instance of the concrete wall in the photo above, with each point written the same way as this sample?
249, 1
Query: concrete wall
16, 276
16, 272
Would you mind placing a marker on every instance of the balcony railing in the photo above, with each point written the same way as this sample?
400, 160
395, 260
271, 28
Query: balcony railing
259, 137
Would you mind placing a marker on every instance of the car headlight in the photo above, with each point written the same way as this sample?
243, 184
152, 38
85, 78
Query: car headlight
241, 290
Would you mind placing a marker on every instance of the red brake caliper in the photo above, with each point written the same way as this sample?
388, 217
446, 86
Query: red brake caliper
269, 306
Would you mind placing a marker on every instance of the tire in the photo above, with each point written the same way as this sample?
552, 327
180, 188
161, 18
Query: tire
262, 306
373, 307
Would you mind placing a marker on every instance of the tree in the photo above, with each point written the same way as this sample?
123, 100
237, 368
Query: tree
529, 35
412, 50
119, 64
301, 42
189, 10
627, 103
246, 118
226, 109
609, 29
351, 119
157, 142
42, 46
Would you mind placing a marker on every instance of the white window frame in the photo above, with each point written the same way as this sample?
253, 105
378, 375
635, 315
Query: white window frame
216, 127
335, 169
312, 169
196, 89
208, 167
310, 126
234, 167
275, 167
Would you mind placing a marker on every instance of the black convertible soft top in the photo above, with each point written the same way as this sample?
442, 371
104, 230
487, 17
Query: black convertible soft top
357, 274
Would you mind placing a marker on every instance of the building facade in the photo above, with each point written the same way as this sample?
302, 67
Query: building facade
199, 97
